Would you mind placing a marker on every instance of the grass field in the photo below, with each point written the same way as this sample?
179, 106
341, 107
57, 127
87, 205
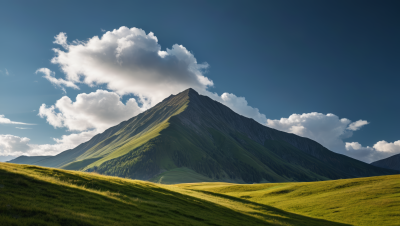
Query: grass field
31, 195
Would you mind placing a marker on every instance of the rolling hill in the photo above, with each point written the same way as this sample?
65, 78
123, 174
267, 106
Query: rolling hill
192, 138
33, 195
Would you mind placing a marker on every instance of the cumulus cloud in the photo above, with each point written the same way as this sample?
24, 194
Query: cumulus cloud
328, 130
380, 150
387, 147
13, 145
4, 120
16, 146
61, 39
238, 104
59, 82
97, 110
129, 61
89, 115
357, 125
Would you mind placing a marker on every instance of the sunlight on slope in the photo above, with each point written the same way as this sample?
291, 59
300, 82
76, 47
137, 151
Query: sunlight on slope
360, 201
118, 149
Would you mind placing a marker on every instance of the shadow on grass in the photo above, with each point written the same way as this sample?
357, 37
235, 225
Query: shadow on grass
287, 217
25, 200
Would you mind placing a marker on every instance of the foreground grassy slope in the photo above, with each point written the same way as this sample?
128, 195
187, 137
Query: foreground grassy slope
360, 201
32, 195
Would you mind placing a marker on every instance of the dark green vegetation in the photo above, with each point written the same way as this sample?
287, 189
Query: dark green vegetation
193, 135
393, 162
32, 195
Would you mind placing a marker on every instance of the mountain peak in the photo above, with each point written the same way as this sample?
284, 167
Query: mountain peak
190, 92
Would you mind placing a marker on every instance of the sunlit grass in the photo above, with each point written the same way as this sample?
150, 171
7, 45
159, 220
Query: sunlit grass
31, 195
360, 201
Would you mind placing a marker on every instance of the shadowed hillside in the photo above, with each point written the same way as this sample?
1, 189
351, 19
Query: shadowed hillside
392, 162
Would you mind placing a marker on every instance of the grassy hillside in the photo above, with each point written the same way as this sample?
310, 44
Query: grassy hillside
31, 195
361, 201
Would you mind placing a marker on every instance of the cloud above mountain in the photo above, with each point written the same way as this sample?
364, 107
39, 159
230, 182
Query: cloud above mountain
129, 61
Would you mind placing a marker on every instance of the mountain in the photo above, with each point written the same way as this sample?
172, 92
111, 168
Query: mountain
392, 162
189, 137
30, 160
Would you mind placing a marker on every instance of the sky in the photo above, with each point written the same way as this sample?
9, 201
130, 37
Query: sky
326, 70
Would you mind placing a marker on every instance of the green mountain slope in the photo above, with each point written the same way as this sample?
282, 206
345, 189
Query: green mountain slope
189, 137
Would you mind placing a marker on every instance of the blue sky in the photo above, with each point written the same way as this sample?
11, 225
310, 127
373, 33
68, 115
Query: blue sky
324, 70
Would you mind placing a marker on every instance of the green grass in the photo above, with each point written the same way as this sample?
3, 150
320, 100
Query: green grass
360, 201
32, 195
180, 175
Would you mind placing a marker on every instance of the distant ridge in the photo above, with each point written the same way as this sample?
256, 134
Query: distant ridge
30, 160
191, 138
392, 162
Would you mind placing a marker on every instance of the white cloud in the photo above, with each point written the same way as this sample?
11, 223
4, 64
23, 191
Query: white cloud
129, 61
239, 105
380, 150
4, 120
16, 146
22, 128
61, 39
7, 73
66, 142
59, 82
13, 145
328, 130
90, 114
97, 110
357, 125
387, 147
